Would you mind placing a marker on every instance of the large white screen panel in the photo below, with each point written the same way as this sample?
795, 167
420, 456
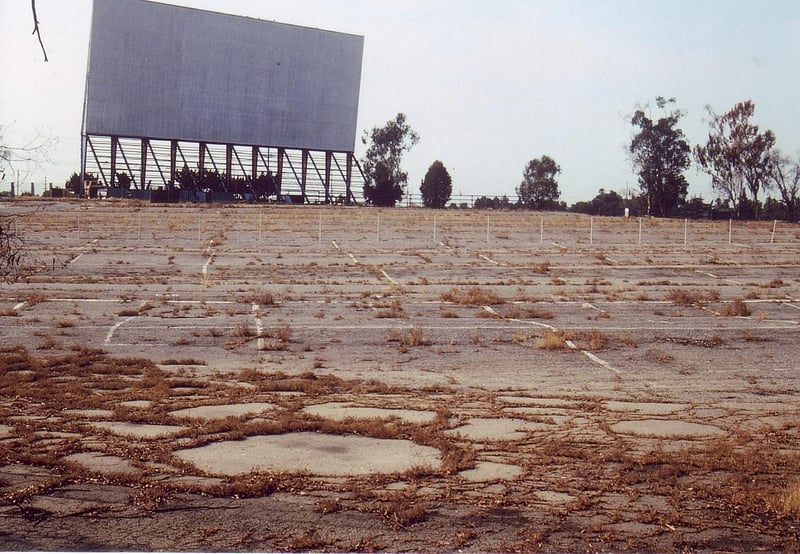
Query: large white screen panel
170, 72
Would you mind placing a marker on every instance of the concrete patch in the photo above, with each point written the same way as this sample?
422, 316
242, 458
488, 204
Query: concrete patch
91, 413
546, 415
491, 471
138, 430
102, 463
496, 429
343, 410
554, 497
220, 411
527, 400
666, 428
136, 404
648, 408
316, 453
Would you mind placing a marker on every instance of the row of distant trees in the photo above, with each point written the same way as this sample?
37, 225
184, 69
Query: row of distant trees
742, 161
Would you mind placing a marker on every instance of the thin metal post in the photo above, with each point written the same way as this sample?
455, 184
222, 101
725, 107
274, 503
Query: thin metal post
319, 228
541, 229
730, 231
774, 226
487, 229
640, 231
685, 230
378, 229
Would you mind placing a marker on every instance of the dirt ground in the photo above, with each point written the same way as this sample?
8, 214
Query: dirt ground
252, 378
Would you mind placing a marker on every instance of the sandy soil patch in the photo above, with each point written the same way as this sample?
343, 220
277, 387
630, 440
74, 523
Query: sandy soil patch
314, 453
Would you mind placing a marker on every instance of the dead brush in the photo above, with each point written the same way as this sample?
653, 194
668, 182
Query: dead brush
591, 340
393, 310
472, 296
789, 500
736, 308
690, 297
48, 343
259, 297
408, 337
553, 340
243, 330
275, 338
402, 509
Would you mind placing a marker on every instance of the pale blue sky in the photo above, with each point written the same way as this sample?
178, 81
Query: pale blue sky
487, 85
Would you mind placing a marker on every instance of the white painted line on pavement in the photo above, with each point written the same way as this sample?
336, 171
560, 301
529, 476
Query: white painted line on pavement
603, 363
114, 328
392, 281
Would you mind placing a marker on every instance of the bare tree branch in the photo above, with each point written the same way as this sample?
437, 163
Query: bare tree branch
36, 30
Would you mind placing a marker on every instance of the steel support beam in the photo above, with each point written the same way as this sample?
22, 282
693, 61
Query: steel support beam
143, 164
114, 146
279, 176
304, 174
228, 165
173, 163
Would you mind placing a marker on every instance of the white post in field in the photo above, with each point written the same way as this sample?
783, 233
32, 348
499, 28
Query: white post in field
774, 226
685, 230
378, 229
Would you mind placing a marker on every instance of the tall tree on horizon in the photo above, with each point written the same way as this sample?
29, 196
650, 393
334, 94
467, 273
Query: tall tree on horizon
386, 147
437, 186
660, 155
539, 188
737, 156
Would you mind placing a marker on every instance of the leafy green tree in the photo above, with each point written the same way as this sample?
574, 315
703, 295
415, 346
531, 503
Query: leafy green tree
437, 186
605, 203
660, 156
737, 156
124, 180
539, 188
383, 190
386, 147
74, 185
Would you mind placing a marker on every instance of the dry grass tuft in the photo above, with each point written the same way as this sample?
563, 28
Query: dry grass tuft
552, 340
686, 297
472, 296
789, 502
409, 337
393, 310
260, 297
735, 308
243, 330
